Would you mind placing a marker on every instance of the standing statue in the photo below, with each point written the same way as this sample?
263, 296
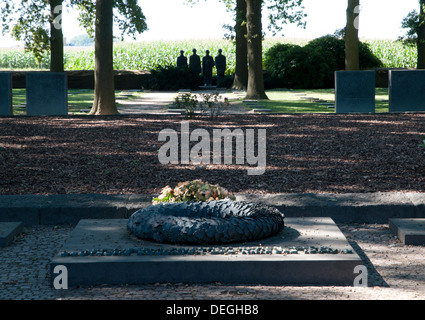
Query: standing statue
221, 65
182, 60
195, 63
207, 67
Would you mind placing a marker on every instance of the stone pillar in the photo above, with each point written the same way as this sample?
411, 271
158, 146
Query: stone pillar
6, 94
407, 90
47, 94
355, 91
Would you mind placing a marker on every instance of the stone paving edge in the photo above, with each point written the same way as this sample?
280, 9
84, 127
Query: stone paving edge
379, 207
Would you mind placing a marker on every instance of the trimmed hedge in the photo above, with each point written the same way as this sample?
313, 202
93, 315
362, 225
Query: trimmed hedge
313, 65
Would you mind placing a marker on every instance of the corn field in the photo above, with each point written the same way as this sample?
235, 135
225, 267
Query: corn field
394, 54
150, 55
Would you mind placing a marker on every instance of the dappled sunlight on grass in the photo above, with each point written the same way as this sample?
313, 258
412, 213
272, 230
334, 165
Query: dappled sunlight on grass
280, 101
80, 101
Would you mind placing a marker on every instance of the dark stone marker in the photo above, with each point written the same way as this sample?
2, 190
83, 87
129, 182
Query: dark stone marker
407, 90
5, 94
8, 230
47, 94
409, 231
355, 92
236, 268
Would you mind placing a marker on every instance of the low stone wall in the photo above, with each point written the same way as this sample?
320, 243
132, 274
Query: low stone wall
84, 79
382, 76
134, 79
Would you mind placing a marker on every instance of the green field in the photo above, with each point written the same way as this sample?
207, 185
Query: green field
149, 55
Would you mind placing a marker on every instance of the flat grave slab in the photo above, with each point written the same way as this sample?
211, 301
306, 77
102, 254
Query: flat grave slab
255, 106
8, 230
207, 87
409, 231
309, 251
406, 90
47, 94
261, 110
355, 91
6, 94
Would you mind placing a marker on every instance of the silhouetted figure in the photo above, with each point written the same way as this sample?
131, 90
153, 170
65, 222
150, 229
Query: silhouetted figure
182, 60
195, 63
221, 65
207, 67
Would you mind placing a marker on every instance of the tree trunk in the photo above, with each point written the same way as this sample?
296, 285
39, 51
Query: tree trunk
240, 81
255, 88
352, 37
104, 87
56, 36
421, 36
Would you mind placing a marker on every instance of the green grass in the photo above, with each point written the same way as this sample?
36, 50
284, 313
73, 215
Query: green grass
289, 101
280, 101
78, 100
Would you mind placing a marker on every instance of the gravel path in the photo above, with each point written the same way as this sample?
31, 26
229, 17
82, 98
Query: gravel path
395, 272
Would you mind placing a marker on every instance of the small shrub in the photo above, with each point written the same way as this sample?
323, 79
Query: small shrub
188, 102
206, 103
213, 104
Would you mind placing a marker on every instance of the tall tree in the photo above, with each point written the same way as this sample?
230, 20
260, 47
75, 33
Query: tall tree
415, 35
421, 36
56, 36
104, 88
27, 21
255, 89
133, 22
280, 12
240, 81
352, 36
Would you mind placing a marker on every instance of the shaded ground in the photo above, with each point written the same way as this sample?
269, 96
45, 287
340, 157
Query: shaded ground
305, 153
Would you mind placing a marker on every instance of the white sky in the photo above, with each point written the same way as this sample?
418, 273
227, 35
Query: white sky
172, 19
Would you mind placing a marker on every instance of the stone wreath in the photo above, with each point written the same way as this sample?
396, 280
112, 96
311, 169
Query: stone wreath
211, 222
